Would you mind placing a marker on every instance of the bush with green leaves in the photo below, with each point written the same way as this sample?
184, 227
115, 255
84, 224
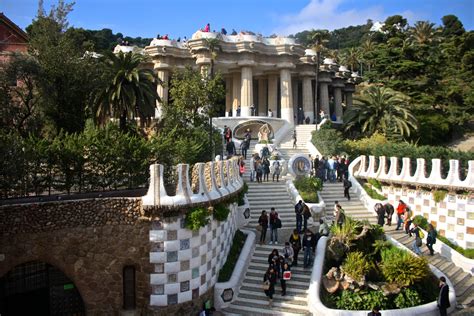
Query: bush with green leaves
362, 300
241, 196
439, 195
372, 193
196, 218
228, 268
221, 212
407, 298
328, 140
399, 266
356, 265
308, 188
375, 183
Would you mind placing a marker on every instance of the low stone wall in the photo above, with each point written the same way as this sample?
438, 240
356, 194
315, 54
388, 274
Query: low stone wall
42, 217
186, 263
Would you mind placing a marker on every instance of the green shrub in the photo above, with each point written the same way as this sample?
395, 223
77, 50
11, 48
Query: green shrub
420, 221
372, 193
328, 140
400, 267
356, 265
439, 195
362, 300
375, 183
228, 268
196, 218
221, 212
241, 196
308, 188
407, 298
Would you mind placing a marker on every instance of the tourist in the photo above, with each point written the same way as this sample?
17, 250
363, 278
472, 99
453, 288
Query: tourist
234, 32
306, 216
275, 223
299, 207
252, 168
270, 277
241, 166
335, 208
288, 253
380, 210
223, 31
238, 111
276, 170
285, 268
295, 242
230, 148
418, 241
252, 110
407, 220
322, 115
259, 170
273, 258
227, 134
375, 312
207, 28
443, 298
316, 165
244, 146
323, 228
263, 222
431, 238
389, 210
347, 185
322, 169
308, 240
294, 139
331, 167
341, 165
158, 36
266, 168
270, 113
340, 216
165, 37
400, 211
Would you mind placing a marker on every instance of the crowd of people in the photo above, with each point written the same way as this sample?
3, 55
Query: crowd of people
281, 261
331, 168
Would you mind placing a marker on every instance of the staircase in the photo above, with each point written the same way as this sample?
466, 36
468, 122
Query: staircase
463, 282
262, 196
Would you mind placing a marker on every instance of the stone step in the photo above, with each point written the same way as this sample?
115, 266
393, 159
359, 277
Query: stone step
238, 308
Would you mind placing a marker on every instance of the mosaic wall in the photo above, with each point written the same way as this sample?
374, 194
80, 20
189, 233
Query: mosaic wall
186, 263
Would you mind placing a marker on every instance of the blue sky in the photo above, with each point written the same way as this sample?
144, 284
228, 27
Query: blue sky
146, 18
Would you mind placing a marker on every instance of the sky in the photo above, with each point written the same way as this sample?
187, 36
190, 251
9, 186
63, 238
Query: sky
179, 18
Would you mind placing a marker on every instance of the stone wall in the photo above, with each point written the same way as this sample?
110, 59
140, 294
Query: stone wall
38, 217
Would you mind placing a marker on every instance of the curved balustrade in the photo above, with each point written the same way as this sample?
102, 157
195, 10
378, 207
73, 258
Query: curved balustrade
245, 38
359, 168
215, 181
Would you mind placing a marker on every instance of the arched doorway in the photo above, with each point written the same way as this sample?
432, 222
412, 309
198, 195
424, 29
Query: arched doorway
38, 288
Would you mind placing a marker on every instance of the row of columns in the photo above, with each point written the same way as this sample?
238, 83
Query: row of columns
239, 92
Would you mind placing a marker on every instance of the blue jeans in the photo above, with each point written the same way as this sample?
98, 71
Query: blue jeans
332, 175
299, 222
416, 249
399, 222
308, 256
273, 234
252, 175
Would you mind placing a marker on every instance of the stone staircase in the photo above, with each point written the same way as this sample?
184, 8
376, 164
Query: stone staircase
463, 282
262, 196
303, 135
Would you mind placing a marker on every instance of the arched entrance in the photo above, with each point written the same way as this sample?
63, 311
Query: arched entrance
38, 288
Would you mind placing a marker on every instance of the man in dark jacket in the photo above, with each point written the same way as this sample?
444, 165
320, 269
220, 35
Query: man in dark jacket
443, 299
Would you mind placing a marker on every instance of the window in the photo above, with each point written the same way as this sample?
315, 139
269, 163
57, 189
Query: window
128, 287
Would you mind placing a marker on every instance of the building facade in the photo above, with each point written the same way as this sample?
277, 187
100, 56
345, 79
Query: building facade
262, 75
12, 38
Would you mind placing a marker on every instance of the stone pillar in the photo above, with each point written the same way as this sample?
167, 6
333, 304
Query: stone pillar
228, 96
235, 93
338, 103
246, 91
286, 96
262, 97
273, 94
348, 99
162, 91
324, 97
308, 98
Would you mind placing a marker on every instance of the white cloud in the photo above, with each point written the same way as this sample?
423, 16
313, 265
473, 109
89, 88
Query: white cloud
326, 14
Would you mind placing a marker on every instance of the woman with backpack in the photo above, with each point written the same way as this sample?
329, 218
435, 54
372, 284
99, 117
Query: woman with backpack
418, 239
266, 168
431, 238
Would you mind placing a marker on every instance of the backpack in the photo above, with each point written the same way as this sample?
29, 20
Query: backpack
421, 234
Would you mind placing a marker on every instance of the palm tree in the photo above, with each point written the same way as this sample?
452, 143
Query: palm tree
368, 47
383, 110
214, 46
318, 38
130, 92
352, 58
423, 32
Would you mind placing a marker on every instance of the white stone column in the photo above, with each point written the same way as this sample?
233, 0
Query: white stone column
262, 97
235, 93
228, 96
246, 91
273, 94
162, 91
286, 96
308, 98
324, 97
338, 103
